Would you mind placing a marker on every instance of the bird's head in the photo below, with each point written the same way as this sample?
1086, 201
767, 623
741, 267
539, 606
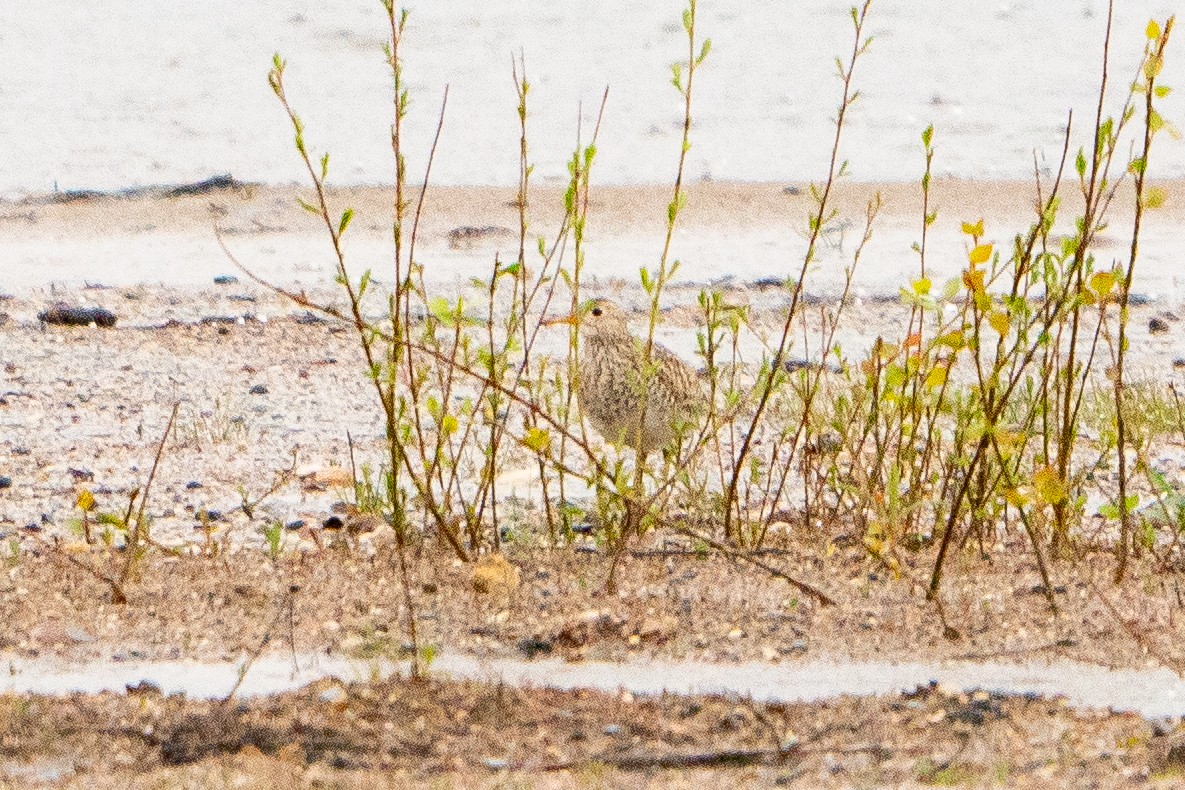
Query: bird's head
597, 317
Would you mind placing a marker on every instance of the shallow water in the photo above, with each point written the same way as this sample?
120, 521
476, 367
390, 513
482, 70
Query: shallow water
1153, 693
185, 95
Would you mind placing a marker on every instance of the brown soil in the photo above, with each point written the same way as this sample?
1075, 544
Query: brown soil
434, 734
678, 606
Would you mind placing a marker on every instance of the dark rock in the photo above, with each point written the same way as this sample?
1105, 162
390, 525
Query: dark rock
309, 318
259, 389
5, 481
192, 484
64, 314
225, 279
81, 475
467, 236
145, 688
533, 647
211, 184
1158, 326
295, 524
241, 298
333, 522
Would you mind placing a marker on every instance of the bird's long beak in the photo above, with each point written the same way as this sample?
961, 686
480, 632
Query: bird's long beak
571, 320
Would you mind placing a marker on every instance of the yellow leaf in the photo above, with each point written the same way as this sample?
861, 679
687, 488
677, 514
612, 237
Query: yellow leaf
922, 287
1102, 282
973, 279
1000, 321
1015, 498
1153, 30
956, 340
1049, 486
85, 501
936, 377
1155, 197
975, 229
980, 254
538, 439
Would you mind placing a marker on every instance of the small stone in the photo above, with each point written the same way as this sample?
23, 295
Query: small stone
225, 279
534, 646
496, 763
78, 635
736, 634
5, 481
1158, 326
333, 522
192, 484
333, 695
259, 389
295, 524
493, 573
613, 729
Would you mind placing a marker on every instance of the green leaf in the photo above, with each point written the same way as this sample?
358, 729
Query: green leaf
950, 288
440, 309
347, 215
308, 207
928, 135
704, 50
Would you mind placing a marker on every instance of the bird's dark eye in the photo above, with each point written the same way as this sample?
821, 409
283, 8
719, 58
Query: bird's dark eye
597, 311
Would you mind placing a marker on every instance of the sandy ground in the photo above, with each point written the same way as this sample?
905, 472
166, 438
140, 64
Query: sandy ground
434, 734
262, 390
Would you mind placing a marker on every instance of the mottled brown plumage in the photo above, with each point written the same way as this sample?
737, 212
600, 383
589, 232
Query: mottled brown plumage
611, 384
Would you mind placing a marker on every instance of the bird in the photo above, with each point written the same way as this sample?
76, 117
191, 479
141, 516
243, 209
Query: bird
611, 382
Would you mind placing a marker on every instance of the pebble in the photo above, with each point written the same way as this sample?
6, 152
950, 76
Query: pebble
5, 482
259, 389
333, 695
534, 646
225, 279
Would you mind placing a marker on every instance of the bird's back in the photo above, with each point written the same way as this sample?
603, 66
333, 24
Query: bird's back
612, 382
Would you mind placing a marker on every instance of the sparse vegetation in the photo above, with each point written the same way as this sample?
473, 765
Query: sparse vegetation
1004, 414
968, 424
